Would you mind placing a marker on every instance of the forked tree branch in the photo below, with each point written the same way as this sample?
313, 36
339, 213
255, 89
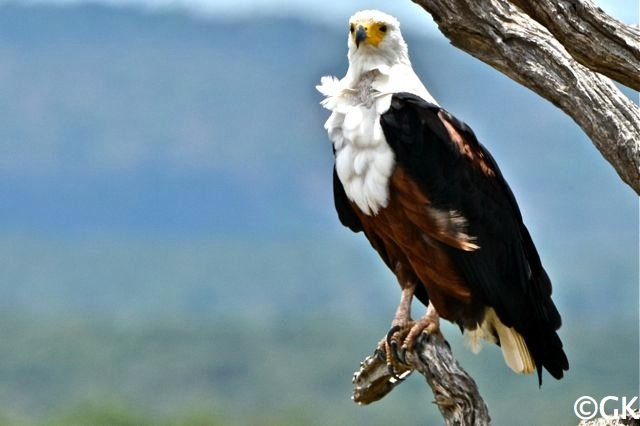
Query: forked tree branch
592, 37
456, 393
505, 37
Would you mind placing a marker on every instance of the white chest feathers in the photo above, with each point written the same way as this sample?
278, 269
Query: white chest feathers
364, 159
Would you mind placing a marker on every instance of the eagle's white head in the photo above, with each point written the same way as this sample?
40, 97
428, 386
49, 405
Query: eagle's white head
375, 44
375, 41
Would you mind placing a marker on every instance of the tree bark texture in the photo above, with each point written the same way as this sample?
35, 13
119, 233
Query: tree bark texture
592, 37
456, 393
619, 421
503, 34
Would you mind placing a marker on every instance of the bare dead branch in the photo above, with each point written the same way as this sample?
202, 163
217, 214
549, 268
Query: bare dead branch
592, 37
456, 393
628, 420
502, 35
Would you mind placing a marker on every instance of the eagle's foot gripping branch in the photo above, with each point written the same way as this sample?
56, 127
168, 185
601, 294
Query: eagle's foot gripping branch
388, 352
429, 323
454, 391
401, 338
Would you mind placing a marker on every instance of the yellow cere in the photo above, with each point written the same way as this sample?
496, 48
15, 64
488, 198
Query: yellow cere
375, 31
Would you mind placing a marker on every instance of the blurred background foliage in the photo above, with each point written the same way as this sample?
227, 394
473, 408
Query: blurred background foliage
169, 253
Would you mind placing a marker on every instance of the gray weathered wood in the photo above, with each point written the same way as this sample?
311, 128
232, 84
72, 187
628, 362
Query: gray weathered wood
505, 37
619, 421
456, 393
592, 37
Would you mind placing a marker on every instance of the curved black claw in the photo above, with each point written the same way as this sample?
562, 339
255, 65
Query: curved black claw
393, 372
394, 355
394, 350
391, 332
398, 356
402, 356
399, 376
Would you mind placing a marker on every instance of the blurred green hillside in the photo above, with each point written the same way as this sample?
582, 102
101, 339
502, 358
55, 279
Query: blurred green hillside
169, 253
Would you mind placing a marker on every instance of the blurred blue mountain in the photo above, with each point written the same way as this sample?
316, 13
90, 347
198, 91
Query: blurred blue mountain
119, 122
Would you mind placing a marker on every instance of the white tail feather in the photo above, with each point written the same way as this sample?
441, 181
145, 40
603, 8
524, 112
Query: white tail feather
514, 349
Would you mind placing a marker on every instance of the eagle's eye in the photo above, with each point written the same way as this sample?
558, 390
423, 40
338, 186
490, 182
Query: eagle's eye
352, 28
383, 28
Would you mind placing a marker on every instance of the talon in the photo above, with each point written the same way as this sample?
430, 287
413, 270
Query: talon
391, 332
429, 324
391, 367
392, 371
396, 355
390, 363
394, 343
402, 357
387, 351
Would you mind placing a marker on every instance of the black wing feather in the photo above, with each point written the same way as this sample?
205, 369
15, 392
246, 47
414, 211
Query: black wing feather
345, 212
506, 272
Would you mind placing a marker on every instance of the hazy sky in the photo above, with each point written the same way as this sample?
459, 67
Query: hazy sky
325, 10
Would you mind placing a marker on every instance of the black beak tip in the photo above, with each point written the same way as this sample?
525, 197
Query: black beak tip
361, 35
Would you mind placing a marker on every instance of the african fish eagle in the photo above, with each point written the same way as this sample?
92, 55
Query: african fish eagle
433, 203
